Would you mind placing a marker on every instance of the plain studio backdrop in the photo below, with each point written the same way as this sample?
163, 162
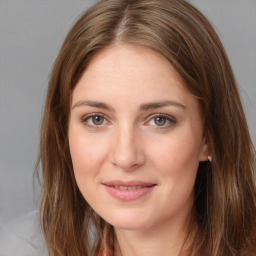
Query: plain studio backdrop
31, 33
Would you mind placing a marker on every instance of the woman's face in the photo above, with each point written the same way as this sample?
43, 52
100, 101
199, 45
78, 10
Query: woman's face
136, 138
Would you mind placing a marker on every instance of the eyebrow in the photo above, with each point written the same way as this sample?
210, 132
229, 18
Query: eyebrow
161, 104
142, 107
94, 104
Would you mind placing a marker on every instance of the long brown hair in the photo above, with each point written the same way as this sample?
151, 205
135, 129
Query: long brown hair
225, 193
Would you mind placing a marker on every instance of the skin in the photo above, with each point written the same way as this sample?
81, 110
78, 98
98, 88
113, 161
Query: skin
128, 143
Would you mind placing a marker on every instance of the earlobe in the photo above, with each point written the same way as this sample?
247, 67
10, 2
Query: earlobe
205, 154
210, 158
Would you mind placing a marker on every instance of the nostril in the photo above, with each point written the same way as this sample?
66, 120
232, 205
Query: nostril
128, 160
127, 152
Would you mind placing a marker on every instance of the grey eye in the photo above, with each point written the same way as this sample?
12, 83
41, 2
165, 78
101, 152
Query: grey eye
97, 120
160, 121
94, 120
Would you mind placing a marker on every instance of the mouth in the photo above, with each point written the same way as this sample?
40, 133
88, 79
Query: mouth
127, 191
129, 187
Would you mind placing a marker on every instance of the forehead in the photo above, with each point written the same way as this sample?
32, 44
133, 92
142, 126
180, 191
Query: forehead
121, 72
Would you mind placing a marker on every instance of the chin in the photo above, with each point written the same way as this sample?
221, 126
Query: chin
131, 222
130, 225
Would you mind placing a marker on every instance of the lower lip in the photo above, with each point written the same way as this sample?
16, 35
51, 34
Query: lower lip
128, 195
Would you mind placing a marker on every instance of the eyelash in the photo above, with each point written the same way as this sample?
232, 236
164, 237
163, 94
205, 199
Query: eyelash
169, 120
85, 119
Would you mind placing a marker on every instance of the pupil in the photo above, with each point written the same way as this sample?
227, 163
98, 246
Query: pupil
97, 120
160, 121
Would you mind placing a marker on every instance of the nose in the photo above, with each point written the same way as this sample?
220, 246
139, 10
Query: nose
127, 152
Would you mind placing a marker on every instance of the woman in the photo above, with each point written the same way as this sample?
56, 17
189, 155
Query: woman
145, 148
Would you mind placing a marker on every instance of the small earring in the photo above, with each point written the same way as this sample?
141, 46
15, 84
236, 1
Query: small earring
209, 158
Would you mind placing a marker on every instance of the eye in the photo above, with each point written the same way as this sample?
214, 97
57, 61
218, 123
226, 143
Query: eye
97, 120
94, 119
161, 120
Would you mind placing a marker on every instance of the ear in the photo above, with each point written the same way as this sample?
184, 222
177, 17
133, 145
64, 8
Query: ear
204, 150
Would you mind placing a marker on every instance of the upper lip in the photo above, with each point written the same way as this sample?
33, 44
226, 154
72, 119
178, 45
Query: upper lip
128, 183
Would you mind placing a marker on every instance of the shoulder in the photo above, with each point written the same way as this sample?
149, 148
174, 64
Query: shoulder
22, 237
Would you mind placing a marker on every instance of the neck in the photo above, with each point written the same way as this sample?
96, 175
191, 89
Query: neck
168, 239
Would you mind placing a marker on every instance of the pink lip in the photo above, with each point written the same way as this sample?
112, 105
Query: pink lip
126, 194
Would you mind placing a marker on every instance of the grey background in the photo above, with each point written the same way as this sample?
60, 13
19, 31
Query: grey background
31, 33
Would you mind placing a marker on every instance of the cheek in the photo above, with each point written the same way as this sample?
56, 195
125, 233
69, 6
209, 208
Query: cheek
177, 163
175, 154
85, 152
86, 162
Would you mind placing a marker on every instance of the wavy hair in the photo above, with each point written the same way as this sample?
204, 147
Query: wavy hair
225, 193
